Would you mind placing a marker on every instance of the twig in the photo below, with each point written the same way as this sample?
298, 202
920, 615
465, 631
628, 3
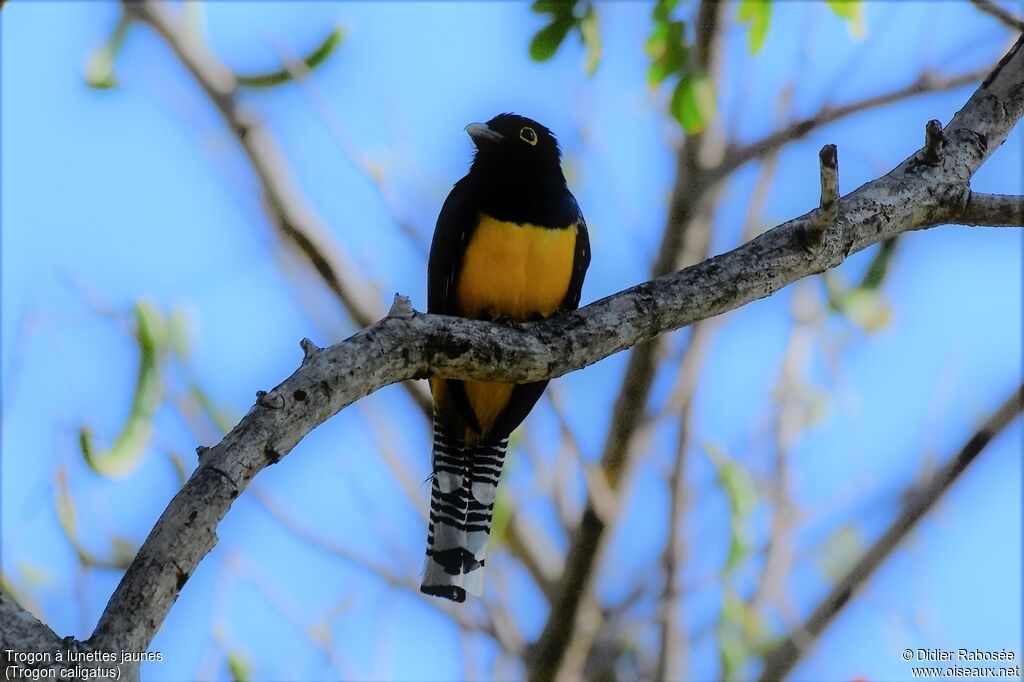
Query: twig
825, 216
540, 556
934, 141
414, 491
300, 73
1005, 17
925, 83
786, 654
275, 597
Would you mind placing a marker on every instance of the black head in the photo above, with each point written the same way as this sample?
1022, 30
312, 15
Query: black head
511, 142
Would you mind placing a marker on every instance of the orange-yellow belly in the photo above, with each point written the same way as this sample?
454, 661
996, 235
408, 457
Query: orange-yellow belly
517, 271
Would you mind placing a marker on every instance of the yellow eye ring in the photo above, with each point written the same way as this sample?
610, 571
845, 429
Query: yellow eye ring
528, 135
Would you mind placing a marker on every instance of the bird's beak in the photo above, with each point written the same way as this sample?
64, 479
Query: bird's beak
480, 132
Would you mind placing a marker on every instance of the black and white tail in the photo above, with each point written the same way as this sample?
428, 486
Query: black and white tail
464, 483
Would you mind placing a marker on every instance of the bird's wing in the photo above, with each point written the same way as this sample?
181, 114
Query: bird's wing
455, 225
580, 262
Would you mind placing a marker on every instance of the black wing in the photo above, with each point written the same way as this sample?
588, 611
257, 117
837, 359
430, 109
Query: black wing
455, 225
580, 263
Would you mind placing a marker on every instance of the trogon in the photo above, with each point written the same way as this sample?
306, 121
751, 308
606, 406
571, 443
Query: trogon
510, 244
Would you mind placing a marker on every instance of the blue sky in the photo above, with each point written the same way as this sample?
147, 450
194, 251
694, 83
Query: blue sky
109, 196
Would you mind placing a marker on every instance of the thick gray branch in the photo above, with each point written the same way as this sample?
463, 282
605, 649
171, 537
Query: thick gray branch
915, 195
28, 648
20, 631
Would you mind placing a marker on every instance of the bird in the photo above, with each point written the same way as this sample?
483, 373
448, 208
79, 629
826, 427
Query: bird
510, 245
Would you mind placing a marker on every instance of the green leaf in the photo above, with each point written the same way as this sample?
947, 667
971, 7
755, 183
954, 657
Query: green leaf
879, 267
853, 12
122, 552
314, 59
547, 40
66, 514
179, 331
179, 467
23, 598
693, 103
840, 551
758, 14
99, 68
816, 404
736, 482
668, 50
733, 651
663, 9
739, 490
67, 517
556, 8
126, 452
739, 546
590, 34
867, 309
836, 290
33, 574
325, 49
239, 666
221, 418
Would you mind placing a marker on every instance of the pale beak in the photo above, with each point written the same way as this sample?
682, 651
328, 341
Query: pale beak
480, 132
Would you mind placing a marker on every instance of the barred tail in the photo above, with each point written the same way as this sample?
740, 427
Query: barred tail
462, 494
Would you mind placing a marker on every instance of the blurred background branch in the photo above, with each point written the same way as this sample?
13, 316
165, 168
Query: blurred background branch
918, 501
288, 210
1005, 17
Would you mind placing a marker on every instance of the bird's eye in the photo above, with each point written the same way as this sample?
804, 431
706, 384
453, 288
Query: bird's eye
527, 135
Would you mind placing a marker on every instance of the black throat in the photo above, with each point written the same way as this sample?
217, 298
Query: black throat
527, 193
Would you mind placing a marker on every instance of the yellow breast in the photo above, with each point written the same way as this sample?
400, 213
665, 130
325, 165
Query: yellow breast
519, 271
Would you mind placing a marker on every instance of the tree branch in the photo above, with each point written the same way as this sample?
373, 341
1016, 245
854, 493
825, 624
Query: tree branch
785, 655
925, 83
1000, 14
411, 345
20, 631
34, 648
289, 211
993, 210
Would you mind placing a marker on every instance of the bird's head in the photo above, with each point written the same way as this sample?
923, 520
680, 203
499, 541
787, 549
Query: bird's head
511, 140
